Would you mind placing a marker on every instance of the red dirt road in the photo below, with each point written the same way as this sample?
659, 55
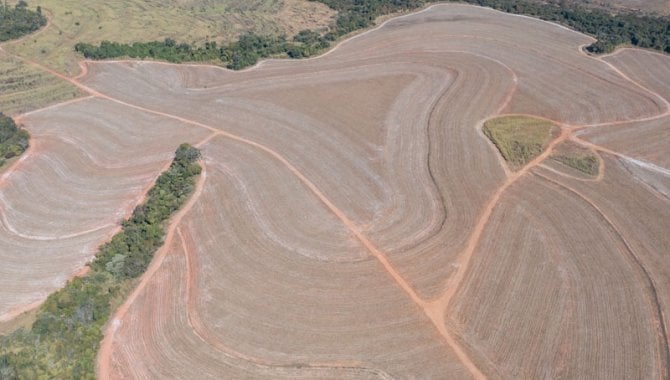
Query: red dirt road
436, 309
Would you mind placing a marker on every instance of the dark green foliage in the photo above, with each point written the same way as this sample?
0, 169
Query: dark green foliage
610, 30
244, 52
64, 339
357, 14
19, 21
13, 140
129, 252
167, 50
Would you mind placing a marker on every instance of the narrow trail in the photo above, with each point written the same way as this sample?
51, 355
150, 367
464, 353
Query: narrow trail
104, 355
438, 307
663, 364
404, 285
435, 310
199, 329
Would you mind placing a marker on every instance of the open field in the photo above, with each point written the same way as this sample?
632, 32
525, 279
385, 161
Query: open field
353, 219
24, 88
190, 21
86, 169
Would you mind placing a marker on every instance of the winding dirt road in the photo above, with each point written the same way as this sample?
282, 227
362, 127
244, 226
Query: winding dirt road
436, 309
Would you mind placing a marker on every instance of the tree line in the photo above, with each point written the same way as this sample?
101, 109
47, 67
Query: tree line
18, 21
13, 140
64, 340
611, 30
244, 52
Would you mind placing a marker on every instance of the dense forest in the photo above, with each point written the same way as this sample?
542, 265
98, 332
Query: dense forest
64, 339
611, 30
19, 21
13, 140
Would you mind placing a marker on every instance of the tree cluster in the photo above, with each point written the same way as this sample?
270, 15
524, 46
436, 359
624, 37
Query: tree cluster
64, 339
13, 140
611, 30
244, 52
18, 21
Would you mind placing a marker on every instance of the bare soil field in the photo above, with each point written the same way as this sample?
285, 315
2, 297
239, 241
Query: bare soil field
87, 167
353, 220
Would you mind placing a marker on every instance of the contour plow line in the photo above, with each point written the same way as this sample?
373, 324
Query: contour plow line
104, 355
659, 320
200, 330
435, 309
338, 213
439, 306
462, 356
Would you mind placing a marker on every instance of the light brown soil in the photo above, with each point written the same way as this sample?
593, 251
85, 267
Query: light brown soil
372, 231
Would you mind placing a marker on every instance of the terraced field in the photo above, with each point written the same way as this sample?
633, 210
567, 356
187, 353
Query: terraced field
353, 220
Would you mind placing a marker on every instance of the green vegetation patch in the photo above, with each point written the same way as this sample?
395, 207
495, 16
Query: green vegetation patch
64, 339
18, 21
519, 138
576, 157
13, 140
244, 52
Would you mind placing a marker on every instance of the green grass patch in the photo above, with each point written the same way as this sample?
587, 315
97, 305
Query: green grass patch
519, 138
577, 157
587, 165
24, 88
64, 339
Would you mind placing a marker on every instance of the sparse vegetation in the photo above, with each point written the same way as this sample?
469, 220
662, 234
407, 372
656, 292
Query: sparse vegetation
577, 157
518, 138
586, 164
18, 21
13, 140
64, 339
24, 88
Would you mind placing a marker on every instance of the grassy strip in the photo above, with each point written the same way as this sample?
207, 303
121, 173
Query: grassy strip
18, 21
518, 138
64, 339
585, 164
577, 157
13, 140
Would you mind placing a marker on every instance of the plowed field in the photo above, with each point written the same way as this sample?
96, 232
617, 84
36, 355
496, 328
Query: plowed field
353, 220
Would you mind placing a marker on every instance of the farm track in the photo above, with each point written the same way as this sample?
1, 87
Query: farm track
664, 359
435, 309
